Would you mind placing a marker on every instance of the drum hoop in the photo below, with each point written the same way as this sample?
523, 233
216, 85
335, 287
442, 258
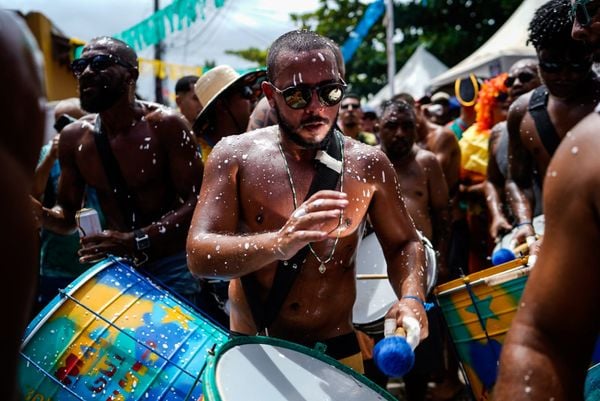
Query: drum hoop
210, 376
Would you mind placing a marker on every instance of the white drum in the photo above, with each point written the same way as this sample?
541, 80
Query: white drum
266, 368
374, 293
507, 240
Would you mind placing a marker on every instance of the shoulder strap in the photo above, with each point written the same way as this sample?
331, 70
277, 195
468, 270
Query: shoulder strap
287, 270
113, 173
538, 110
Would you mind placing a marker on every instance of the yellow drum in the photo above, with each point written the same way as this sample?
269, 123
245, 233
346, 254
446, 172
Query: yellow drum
478, 310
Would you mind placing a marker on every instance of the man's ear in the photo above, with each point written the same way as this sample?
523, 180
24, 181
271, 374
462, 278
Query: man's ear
268, 91
178, 100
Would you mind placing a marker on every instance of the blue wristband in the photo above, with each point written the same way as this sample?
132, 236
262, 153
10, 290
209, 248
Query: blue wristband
525, 223
426, 305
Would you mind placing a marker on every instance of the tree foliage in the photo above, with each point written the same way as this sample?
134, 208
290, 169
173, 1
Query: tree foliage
252, 54
450, 29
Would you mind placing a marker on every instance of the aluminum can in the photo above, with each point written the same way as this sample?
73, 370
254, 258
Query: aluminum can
88, 222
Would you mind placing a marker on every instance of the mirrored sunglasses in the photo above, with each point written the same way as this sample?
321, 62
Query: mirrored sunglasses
97, 63
523, 77
584, 10
300, 96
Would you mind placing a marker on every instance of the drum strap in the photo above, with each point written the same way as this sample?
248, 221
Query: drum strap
538, 110
114, 175
288, 270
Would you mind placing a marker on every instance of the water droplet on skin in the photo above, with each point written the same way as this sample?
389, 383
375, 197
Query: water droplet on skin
80, 146
574, 150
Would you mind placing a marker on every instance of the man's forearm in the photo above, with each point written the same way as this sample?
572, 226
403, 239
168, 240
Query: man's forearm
58, 221
231, 256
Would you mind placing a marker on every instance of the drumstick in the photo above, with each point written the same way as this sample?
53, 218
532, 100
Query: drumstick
371, 277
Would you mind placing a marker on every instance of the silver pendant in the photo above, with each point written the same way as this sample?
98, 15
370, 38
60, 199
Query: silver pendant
322, 268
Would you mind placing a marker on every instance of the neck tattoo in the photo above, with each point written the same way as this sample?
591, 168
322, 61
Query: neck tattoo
322, 267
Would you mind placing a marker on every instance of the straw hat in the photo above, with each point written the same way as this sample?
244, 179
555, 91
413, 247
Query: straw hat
215, 82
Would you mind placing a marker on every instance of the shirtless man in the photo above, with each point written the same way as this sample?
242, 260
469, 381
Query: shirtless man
441, 142
426, 197
252, 214
565, 67
186, 98
522, 77
420, 176
156, 156
22, 108
549, 346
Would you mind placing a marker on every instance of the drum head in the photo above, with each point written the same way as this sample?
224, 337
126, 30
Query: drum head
265, 368
375, 297
538, 224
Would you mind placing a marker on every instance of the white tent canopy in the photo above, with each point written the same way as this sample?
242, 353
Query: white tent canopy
414, 77
505, 47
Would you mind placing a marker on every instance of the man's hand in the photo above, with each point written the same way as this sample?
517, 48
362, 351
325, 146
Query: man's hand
313, 221
97, 246
523, 232
37, 210
410, 307
499, 226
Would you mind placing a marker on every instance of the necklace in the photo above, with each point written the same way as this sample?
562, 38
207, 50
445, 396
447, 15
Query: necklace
322, 267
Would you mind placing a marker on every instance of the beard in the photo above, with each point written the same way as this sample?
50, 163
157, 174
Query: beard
399, 149
292, 132
101, 99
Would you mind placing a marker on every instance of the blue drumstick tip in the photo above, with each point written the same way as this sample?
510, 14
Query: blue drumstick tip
393, 356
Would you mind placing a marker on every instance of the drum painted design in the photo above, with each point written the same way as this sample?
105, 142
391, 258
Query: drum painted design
265, 368
479, 310
115, 335
592, 381
478, 314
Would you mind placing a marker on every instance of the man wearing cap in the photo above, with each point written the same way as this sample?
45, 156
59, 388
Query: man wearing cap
186, 98
282, 210
439, 109
227, 99
142, 161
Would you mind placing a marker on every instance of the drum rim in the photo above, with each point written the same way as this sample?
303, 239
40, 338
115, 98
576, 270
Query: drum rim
209, 375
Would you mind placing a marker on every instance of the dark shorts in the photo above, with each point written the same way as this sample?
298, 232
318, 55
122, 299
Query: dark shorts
339, 347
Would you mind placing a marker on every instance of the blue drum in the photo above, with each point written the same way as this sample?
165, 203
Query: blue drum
113, 334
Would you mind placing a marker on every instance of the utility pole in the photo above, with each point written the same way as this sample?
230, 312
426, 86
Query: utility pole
158, 51
390, 50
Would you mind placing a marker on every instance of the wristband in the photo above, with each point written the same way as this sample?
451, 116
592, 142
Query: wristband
426, 305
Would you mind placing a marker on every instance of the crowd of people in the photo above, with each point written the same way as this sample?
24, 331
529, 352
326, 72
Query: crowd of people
251, 200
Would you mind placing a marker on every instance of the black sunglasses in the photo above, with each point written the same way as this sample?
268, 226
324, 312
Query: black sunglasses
523, 77
582, 14
299, 96
97, 63
554, 67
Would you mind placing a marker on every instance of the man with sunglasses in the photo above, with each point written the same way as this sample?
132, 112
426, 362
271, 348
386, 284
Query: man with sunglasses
586, 16
142, 161
522, 78
252, 217
350, 120
227, 99
539, 359
538, 120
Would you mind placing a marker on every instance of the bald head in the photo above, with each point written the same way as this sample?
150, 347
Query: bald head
115, 47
